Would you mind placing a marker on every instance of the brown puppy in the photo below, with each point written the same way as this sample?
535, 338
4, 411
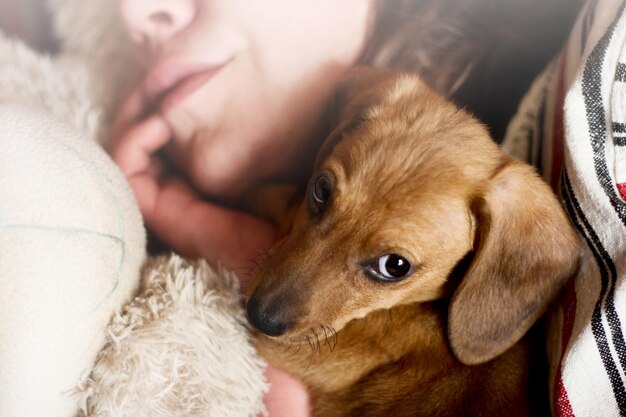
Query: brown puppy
419, 258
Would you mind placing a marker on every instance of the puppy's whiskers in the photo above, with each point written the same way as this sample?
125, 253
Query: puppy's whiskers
257, 260
298, 346
335, 338
330, 336
293, 343
317, 338
285, 344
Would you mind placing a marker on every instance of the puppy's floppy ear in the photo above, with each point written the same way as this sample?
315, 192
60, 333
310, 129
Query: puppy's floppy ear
526, 250
355, 94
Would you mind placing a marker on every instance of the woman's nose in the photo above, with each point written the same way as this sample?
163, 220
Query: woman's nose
157, 20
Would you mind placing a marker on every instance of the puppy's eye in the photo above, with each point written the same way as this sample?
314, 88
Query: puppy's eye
319, 193
321, 190
389, 268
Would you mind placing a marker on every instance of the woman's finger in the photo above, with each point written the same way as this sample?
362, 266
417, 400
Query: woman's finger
132, 109
287, 396
134, 151
196, 228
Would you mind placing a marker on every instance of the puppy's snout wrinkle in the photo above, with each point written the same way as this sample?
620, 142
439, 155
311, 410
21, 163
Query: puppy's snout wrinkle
269, 318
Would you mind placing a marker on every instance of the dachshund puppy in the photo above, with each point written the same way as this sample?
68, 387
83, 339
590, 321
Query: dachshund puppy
418, 260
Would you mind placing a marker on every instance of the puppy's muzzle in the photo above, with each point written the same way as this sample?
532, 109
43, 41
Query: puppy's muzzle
268, 316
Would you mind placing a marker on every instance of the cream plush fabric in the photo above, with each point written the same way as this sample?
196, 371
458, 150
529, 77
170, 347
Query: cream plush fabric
72, 245
177, 350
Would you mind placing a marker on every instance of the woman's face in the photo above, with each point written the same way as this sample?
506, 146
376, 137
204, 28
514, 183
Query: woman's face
243, 83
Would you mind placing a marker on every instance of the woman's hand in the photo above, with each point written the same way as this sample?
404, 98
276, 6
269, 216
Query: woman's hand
287, 396
178, 216
173, 211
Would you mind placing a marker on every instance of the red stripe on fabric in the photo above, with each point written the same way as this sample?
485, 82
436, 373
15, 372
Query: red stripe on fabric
622, 189
557, 127
562, 406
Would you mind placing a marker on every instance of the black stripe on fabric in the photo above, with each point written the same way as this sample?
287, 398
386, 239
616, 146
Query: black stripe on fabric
607, 286
612, 316
619, 140
592, 93
619, 127
620, 72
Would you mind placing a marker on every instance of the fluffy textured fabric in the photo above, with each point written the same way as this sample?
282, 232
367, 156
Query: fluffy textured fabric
572, 126
178, 350
61, 86
94, 40
71, 246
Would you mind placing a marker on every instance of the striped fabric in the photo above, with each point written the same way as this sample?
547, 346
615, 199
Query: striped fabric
572, 127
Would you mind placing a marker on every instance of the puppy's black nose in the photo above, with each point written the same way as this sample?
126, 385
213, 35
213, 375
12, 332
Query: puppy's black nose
269, 319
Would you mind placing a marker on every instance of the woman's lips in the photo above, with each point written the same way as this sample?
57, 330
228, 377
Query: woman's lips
169, 84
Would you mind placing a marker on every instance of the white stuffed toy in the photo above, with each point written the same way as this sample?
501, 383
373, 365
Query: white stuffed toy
77, 337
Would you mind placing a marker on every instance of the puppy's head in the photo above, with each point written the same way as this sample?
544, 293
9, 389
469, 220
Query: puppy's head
408, 188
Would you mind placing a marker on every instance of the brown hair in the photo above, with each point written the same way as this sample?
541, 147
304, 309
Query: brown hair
482, 54
425, 36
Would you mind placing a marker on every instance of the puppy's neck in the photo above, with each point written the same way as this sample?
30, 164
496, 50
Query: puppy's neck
402, 356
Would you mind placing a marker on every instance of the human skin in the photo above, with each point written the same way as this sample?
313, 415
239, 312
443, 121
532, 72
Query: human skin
234, 95
254, 113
